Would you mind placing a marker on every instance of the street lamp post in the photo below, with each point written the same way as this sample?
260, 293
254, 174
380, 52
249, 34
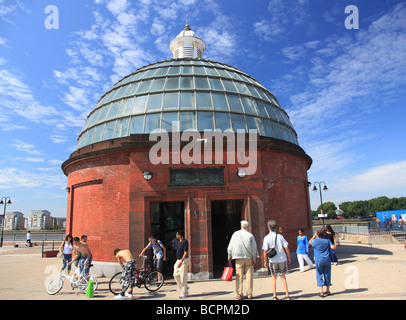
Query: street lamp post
321, 198
5, 201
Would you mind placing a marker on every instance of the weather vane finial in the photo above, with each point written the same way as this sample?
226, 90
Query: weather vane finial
187, 22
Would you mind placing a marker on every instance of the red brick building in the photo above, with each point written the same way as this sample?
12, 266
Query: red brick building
118, 196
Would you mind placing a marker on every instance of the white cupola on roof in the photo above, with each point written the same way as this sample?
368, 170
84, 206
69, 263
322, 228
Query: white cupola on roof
187, 44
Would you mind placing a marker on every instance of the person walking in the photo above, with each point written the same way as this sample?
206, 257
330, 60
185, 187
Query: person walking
128, 275
65, 250
180, 269
28, 241
302, 251
278, 264
322, 259
331, 235
243, 249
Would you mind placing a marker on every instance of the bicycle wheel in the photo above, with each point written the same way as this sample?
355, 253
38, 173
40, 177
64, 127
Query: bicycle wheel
153, 281
83, 284
55, 285
115, 283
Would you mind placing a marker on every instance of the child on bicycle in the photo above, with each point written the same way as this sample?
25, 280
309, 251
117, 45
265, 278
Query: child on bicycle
159, 252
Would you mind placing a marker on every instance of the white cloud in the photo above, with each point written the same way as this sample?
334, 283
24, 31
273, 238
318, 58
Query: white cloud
25, 147
282, 14
17, 98
380, 178
14, 179
371, 63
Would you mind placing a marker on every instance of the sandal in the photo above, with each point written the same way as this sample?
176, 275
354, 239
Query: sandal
287, 298
275, 298
322, 295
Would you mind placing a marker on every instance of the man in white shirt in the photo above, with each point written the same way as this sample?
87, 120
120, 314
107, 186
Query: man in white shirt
243, 248
278, 265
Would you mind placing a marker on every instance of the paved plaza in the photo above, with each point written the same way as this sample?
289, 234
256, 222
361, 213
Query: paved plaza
363, 273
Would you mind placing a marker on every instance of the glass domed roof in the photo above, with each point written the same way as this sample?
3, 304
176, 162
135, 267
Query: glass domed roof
200, 94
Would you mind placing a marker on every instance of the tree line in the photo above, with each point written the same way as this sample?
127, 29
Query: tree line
361, 208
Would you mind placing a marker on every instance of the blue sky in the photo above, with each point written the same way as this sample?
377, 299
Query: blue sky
344, 90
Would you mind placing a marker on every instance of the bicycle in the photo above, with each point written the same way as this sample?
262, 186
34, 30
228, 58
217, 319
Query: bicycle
56, 284
152, 280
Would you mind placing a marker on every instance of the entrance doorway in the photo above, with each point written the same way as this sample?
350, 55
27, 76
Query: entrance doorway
225, 220
166, 219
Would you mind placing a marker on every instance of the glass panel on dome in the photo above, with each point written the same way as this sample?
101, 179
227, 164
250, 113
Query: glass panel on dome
149, 74
139, 75
253, 91
251, 124
98, 133
242, 88
187, 70
122, 128
158, 84
106, 98
139, 105
109, 130
267, 127
167, 119
137, 124
219, 101
89, 137
172, 84
203, 101
92, 118
161, 72
120, 92
154, 102
170, 100
144, 86
174, 70
132, 89
261, 109
276, 130
81, 141
229, 86
216, 84
152, 121
125, 109
238, 122
270, 109
249, 105
187, 121
260, 126
234, 103
202, 83
223, 73
200, 70
284, 133
113, 110
205, 121
103, 113
187, 100
212, 71
222, 120
186, 83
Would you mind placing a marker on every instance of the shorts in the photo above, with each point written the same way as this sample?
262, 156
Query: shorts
158, 264
278, 268
128, 275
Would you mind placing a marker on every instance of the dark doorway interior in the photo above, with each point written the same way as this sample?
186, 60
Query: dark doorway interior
166, 219
225, 220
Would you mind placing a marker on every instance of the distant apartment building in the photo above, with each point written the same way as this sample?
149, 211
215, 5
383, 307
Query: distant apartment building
39, 219
14, 220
